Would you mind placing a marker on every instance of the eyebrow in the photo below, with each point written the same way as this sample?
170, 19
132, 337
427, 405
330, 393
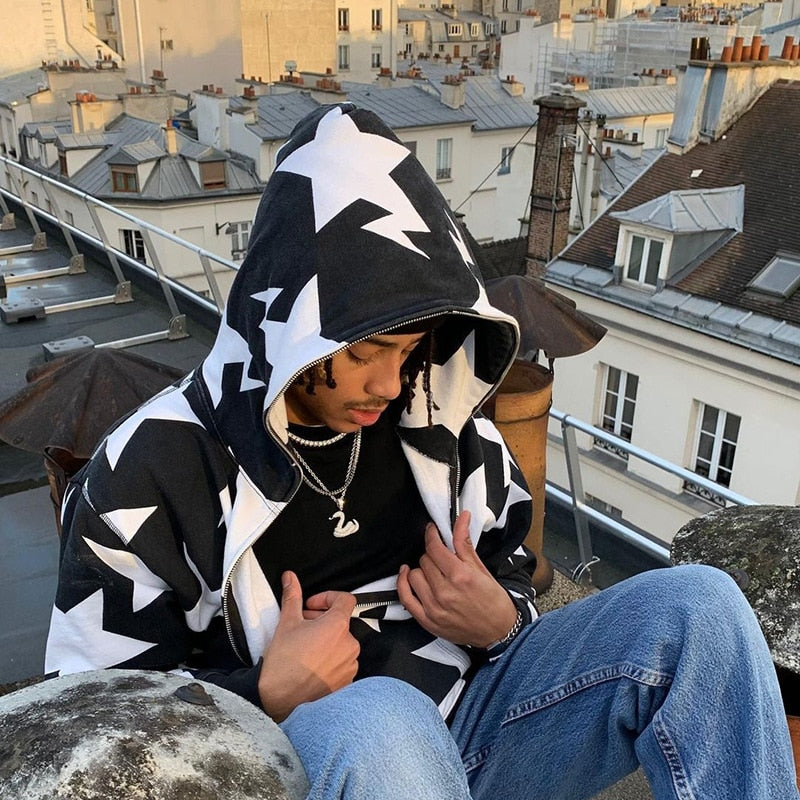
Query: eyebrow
378, 341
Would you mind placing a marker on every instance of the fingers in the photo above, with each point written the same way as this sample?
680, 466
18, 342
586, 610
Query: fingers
292, 597
406, 594
340, 602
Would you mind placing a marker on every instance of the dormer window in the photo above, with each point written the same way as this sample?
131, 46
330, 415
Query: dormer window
455, 29
644, 260
212, 173
124, 179
664, 238
62, 164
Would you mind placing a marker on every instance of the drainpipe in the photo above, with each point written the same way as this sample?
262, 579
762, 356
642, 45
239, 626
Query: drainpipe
598, 165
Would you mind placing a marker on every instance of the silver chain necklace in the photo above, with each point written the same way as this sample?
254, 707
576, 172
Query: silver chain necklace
343, 527
316, 442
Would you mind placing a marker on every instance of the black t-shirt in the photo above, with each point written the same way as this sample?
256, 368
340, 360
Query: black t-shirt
383, 498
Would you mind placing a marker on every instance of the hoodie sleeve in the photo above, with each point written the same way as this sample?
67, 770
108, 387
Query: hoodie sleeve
491, 480
140, 581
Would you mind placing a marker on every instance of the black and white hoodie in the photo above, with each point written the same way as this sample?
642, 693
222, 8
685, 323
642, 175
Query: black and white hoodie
351, 238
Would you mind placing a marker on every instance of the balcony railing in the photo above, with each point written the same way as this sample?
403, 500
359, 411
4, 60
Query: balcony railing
583, 513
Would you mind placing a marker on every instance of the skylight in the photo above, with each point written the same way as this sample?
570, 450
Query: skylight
780, 277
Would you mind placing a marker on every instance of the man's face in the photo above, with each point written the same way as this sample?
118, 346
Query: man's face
367, 377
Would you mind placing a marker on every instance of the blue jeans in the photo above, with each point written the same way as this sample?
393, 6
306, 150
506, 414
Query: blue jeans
667, 669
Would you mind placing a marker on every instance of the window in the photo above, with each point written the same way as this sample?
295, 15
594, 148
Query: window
240, 238
475, 30
344, 56
455, 29
619, 404
444, 155
344, 19
133, 244
123, 179
505, 5
644, 260
661, 137
376, 57
68, 218
62, 163
716, 448
377, 19
780, 278
517, 25
505, 160
503, 27
212, 174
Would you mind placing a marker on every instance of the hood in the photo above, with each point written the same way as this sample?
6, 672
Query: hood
351, 238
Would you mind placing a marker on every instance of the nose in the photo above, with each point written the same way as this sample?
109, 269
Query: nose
384, 378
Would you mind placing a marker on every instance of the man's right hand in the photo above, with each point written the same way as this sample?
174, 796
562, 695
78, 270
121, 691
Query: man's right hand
311, 654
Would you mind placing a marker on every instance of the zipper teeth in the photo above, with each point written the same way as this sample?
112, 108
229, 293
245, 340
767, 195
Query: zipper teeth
376, 604
225, 610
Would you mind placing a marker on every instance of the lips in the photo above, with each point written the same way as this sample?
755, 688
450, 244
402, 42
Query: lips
365, 417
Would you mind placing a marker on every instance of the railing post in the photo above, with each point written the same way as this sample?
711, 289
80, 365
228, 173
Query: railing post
585, 554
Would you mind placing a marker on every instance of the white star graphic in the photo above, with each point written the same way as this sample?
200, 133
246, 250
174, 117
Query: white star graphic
209, 603
170, 406
366, 176
443, 652
78, 643
146, 586
458, 241
229, 348
127, 521
299, 335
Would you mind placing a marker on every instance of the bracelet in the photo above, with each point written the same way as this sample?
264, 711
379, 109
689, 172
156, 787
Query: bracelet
512, 632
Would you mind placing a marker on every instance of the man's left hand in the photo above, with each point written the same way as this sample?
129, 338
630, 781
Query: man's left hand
452, 594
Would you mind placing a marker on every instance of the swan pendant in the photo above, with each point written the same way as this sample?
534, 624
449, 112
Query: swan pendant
343, 528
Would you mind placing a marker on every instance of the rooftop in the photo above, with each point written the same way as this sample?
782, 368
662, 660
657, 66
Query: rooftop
714, 295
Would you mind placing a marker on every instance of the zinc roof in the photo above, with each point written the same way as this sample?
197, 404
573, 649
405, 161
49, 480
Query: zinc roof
631, 101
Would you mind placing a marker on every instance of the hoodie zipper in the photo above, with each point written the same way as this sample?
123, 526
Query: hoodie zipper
295, 465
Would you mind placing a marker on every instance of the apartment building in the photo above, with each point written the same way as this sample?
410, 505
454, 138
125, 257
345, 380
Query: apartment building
694, 270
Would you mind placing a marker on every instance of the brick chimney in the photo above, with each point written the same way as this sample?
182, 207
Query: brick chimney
552, 176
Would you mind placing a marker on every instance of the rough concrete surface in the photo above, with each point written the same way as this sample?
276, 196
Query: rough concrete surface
760, 547
141, 736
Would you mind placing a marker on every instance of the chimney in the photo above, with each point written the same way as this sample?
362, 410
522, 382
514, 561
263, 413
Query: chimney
552, 177
453, 91
384, 79
512, 86
171, 137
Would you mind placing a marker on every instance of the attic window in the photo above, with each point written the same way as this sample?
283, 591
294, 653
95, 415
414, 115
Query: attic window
644, 260
124, 179
780, 277
62, 164
212, 174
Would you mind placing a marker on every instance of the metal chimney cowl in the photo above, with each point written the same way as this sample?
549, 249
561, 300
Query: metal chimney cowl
129, 733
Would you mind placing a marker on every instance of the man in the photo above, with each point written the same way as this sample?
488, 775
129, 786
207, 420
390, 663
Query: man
319, 519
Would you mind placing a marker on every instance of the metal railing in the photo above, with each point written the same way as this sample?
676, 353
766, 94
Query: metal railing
18, 183
583, 512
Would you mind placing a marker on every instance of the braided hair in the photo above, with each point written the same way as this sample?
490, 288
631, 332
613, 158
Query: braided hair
418, 363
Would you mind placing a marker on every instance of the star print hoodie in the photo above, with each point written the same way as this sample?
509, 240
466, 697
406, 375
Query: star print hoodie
351, 238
